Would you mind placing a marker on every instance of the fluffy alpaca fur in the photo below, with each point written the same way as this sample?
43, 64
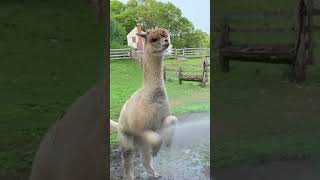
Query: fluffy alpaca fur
145, 119
75, 147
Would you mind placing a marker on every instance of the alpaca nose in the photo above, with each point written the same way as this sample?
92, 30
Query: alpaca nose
166, 43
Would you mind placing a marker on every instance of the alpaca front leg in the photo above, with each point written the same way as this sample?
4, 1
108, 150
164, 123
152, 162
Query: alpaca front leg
148, 162
168, 128
170, 120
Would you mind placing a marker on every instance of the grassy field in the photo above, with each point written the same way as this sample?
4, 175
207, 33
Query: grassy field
258, 115
126, 78
51, 53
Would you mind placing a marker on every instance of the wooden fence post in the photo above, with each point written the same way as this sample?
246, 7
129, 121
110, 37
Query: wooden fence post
180, 75
203, 83
175, 54
204, 73
301, 55
206, 70
300, 64
130, 53
310, 25
224, 41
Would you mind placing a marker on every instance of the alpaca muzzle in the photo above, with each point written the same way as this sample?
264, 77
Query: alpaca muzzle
165, 46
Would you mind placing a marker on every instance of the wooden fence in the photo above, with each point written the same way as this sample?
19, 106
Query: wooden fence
237, 18
175, 53
120, 53
190, 53
297, 53
203, 77
198, 73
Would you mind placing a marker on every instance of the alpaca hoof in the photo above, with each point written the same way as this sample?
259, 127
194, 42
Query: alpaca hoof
157, 175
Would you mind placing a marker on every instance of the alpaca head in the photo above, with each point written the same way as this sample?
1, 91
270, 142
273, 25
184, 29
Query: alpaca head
156, 41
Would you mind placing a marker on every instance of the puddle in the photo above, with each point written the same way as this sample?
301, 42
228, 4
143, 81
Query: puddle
187, 159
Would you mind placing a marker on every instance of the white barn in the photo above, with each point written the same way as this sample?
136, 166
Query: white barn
135, 41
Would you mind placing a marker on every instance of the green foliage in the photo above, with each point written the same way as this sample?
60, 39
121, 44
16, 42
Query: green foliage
200, 39
196, 39
152, 13
125, 14
116, 7
117, 34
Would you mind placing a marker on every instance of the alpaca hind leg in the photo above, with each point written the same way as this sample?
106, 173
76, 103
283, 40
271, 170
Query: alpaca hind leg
127, 146
127, 161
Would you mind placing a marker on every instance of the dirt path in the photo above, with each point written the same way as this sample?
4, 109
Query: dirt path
188, 159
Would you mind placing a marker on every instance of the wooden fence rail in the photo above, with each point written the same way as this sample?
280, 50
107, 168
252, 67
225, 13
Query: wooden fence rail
175, 53
120, 53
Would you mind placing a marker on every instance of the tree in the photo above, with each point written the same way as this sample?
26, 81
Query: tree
117, 34
199, 38
116, 7
151, 13
125, 14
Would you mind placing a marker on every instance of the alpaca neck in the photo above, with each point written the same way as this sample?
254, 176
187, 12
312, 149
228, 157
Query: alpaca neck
153, 72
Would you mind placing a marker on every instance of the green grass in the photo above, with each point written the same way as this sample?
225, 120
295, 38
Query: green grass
261, 117
51, 53
126, 77
258, 115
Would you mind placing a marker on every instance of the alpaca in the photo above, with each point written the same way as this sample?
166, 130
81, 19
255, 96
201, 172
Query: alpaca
145, 120
75, 147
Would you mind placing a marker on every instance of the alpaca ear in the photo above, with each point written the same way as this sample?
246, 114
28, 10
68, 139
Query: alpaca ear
143, 35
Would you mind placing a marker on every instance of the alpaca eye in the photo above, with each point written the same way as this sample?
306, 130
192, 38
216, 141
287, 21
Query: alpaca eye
154, 39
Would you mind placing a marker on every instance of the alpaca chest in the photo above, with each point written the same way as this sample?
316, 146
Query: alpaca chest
155, 112
146, 109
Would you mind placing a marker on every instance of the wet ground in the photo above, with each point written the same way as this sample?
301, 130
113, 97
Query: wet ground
187, 159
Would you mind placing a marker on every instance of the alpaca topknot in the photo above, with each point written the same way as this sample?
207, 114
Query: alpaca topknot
157, 33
